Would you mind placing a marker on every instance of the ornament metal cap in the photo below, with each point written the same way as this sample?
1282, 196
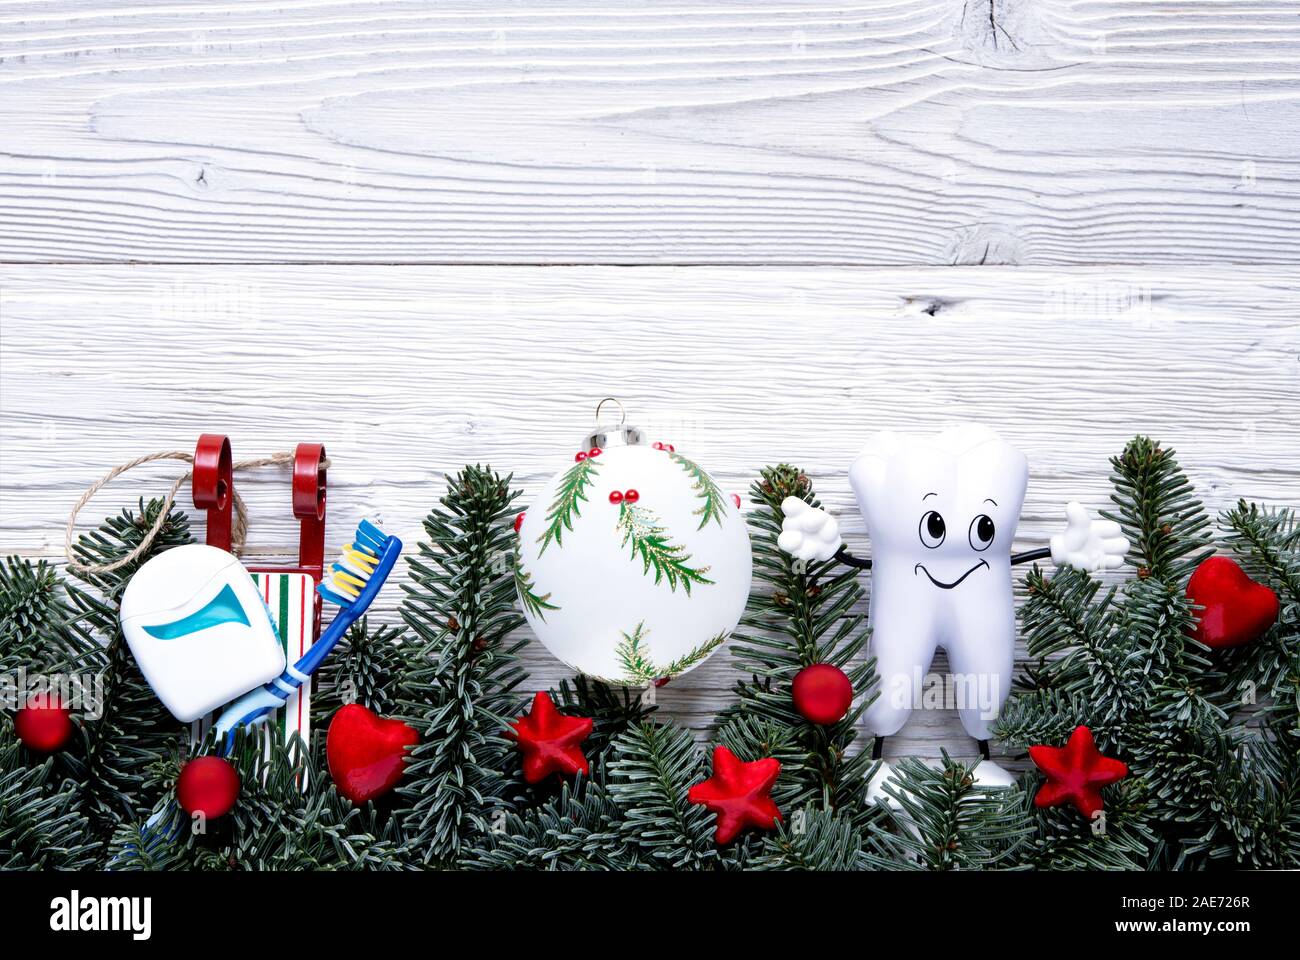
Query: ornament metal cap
617, 435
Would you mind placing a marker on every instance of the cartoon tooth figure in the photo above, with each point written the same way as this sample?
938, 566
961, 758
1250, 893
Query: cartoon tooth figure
941, 511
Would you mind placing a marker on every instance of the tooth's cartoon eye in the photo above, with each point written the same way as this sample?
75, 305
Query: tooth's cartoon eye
982, 532
933, 529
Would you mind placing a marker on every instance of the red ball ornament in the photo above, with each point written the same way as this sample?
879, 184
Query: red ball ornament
519, 521
207, 785
549, 740
739, 793
822, 693
366, 752
631, 496
615, 497
43, 725
1075, 773
1237, 610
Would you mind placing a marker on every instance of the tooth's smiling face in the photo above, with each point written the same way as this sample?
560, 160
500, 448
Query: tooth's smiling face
944, 505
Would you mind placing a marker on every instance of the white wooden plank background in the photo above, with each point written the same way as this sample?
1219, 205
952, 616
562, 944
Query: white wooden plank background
303, 184
729, 131
406, 372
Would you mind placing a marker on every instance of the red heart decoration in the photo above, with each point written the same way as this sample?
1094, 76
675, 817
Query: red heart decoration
1237, 609
366, 753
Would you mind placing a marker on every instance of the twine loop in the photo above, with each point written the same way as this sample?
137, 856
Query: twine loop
239, 528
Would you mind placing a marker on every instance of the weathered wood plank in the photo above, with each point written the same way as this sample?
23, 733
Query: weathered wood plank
885, 132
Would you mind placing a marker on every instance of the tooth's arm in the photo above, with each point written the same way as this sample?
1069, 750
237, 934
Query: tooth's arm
848, 559
809, 534
1087, 544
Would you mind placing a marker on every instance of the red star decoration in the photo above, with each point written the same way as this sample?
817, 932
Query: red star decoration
549, 740
1075, 773
739, 793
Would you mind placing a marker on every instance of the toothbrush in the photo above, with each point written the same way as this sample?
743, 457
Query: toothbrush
355, 581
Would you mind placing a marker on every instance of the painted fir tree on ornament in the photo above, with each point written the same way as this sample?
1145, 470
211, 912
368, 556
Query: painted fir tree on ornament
633, 565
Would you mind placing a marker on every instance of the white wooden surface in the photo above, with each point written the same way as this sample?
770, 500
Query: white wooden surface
729, 131
406, 372
397, 227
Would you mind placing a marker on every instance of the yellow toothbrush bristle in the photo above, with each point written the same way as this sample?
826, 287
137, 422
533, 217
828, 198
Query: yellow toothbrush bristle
363, 560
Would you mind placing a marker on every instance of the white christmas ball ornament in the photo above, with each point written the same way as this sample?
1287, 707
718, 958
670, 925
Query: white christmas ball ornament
634, 565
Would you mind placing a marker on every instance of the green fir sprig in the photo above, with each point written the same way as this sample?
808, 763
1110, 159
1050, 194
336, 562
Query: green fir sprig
649, 540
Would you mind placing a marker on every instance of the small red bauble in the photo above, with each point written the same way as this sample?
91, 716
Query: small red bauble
1237, 610
631, 496
366, 752
1075, 773
549, 740
735, 498
739, 793
207, 785
822, 693
616, 497
595, 452
579, 457
519, 521
43, 725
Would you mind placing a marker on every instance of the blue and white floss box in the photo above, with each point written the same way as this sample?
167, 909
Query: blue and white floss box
199, 629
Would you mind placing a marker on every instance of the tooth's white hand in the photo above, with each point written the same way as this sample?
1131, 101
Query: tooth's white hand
807, 532
1088, 544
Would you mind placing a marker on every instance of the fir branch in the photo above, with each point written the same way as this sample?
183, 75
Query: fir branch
41, 826
648, 539
806, 615
288, 817
949, 822
564, 507
714, 506
653, 767
461, 608
1270, 541
815, 839
1165, 523
534, 603
695, 656
639, 667
613, 711
368, 667
577, 830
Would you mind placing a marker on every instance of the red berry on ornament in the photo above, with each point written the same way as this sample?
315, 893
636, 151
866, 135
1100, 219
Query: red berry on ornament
1237, 610
631, 496
735, 498
595, 452
579, 457
616, 497
739, 793
670, 448
44, 725
207, 785
658, 445
822, 693
549, 740
1075, 773
366, 752
519, 521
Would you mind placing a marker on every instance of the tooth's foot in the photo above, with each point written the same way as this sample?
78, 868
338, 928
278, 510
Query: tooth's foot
989, 774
